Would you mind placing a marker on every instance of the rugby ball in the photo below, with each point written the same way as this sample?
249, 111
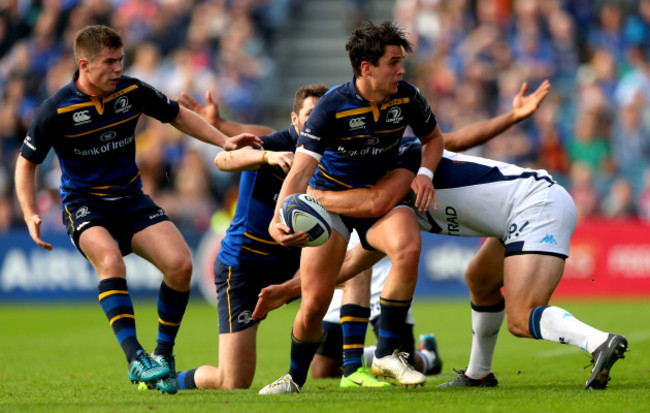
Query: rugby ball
301, 212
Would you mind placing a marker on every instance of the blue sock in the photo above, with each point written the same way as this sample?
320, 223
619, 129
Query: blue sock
354, 323
116, 303
171, 308
301, 356
391, 323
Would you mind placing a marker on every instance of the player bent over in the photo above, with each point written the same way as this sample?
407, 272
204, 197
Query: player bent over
530, 220
90, 124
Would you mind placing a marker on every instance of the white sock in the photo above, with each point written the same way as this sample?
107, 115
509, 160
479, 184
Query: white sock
368, 355
485, 330
560, 326
428, 358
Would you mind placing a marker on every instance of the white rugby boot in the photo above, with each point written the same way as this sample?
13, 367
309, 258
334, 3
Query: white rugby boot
282, 385
396, 366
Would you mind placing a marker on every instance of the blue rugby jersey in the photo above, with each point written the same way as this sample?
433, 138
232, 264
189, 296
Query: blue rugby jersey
247, 244
94, 137
359, 139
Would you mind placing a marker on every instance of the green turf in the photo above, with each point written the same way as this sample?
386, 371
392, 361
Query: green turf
65, 358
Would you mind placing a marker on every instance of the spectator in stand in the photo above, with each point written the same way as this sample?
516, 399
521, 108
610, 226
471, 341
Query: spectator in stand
582, 190
643, 202
619, 202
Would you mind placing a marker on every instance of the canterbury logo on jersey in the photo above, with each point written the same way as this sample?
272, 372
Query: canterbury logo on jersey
81, 117
357, 123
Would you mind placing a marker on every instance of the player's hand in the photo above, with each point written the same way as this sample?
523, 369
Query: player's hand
269, 299
424, 193
282, 159
242, 140
209, 111
283, 235
524, 106
34, 226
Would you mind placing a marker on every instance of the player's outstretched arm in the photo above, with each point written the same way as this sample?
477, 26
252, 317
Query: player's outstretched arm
370, 202
248, 159
26, 192
210, 112
194, 125
478, 133
274, 296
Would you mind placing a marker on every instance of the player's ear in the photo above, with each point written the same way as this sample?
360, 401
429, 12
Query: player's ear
294, 121
83, 63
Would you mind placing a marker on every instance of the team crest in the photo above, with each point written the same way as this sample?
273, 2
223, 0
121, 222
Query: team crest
394, 115
122, 105
82, 212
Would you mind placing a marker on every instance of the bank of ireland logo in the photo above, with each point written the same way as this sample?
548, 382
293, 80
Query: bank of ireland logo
394, 115
82, 212
81, 117
357, 123
108, 136
122, 105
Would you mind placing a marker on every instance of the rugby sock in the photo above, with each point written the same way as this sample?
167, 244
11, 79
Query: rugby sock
427, 357
302, 354
116, 303
368, 355
391, 323
486, 322
171, 307
558, 325
354, 323
186, 380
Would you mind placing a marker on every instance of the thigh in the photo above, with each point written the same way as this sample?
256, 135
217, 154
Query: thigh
319, 267
163, 245
99, 247
237, 360
238, 355
396, 231
237, 293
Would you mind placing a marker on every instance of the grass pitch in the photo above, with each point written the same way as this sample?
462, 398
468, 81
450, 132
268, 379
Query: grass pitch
65, 358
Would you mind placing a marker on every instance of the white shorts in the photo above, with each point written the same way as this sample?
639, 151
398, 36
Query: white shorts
542, 222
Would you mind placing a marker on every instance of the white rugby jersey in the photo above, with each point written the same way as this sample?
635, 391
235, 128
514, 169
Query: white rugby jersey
477, 196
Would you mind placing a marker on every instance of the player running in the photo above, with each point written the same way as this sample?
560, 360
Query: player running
90, 123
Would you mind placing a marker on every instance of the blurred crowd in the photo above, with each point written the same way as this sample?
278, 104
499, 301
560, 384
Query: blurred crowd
592, 132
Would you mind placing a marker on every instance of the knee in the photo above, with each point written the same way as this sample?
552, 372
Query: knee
234, 382
179, 268
313, 309
405, 254
112, 265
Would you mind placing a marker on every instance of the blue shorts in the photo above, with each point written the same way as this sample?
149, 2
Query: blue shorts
237, 292
122, 217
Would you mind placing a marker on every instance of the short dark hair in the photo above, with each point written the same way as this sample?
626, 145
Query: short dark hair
368, 43
315, 90
91, 40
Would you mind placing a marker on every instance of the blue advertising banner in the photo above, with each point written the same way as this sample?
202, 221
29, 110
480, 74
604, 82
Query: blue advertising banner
29, 273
